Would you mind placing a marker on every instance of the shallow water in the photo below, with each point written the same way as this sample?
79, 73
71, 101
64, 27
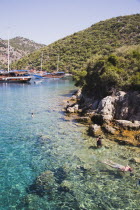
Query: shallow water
49, 142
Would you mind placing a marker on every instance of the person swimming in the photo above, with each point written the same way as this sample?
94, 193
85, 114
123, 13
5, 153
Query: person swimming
118, 166
99, 142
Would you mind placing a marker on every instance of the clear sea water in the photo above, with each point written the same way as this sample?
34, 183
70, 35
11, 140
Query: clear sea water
49, 142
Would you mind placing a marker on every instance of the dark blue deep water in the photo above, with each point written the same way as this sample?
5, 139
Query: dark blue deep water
48, 162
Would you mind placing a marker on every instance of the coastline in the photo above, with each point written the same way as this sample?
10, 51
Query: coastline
57, 166
99, 116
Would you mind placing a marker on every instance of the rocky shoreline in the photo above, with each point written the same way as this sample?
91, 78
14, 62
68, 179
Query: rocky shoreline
55, 184
115, 117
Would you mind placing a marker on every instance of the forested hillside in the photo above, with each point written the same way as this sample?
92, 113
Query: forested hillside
106, 74
74, 51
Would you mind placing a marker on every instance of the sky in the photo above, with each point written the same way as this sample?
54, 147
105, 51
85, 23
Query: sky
46, 21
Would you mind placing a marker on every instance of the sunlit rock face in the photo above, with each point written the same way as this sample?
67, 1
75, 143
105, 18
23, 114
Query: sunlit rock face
123, 106
128, 106
107, 106
117, 115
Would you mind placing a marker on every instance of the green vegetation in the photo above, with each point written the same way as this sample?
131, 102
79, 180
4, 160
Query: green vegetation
103, 58
74, 51
25, 45
103, 75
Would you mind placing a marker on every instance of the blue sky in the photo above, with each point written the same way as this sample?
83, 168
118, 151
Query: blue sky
45, 21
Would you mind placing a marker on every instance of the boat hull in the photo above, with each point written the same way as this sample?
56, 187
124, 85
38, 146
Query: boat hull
15, 79
54, 75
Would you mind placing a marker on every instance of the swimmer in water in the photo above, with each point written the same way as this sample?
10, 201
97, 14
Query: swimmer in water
99, 142
32, 114
118, 166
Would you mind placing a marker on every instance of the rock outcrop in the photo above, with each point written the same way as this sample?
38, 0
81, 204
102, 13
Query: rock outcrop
116, 116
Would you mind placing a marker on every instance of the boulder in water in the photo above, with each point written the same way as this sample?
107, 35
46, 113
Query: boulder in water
65, 186
45, 183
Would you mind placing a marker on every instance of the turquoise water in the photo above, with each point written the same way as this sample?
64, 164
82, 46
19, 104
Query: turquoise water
50, 143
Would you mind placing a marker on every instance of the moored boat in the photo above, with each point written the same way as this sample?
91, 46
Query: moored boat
54, 75
15, 76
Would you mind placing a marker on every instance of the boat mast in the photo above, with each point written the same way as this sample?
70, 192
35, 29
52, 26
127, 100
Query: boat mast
41, 60
8, 54
57, 63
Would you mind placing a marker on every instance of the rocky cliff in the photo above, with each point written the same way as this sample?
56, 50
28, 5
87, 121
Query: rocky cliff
116, 117
18, 48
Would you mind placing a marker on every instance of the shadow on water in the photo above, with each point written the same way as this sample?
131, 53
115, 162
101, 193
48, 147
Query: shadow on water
93, 147
114, 174
98, 148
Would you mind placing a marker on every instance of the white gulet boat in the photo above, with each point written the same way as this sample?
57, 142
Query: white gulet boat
15, 76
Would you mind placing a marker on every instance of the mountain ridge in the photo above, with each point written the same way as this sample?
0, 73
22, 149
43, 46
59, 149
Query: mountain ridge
74, 50
18, 48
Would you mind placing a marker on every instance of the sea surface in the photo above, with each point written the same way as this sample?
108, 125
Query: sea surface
47, 161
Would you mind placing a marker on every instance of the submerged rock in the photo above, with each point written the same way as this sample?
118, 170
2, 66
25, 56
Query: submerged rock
27, 201
44, 138
65, 186
60, 175
43, 184
46, 180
